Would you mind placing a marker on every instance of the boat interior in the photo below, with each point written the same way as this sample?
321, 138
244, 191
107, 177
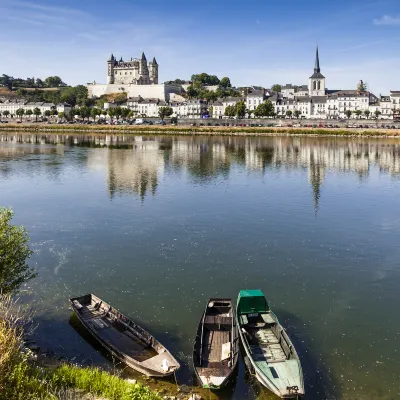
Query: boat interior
213, 350
266, 339
110, 327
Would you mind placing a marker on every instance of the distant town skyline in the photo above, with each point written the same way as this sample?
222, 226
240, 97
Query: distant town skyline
267, 44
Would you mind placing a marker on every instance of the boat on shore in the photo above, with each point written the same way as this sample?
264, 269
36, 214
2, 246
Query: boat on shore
124, 338
270, 353
216, 347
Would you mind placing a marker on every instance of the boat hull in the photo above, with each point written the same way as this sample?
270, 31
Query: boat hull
129, 361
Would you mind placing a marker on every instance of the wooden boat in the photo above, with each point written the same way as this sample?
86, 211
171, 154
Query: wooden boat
270, 353
122, 337
216, 347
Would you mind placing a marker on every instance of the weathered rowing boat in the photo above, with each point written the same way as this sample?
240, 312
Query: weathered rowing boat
216, 347
125, 339
269, 351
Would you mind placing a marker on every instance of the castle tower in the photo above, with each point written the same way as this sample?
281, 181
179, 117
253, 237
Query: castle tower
316, 82
153, 71
143, 70
110, 69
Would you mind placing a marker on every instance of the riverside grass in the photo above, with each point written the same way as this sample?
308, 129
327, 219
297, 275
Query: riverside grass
197, 130
20, 379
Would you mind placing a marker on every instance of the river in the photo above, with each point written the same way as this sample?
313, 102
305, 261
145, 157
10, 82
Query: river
155, 225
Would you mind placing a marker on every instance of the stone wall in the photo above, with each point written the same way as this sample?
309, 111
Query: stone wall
161, 91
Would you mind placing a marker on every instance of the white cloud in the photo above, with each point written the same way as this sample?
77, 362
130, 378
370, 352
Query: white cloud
387, 20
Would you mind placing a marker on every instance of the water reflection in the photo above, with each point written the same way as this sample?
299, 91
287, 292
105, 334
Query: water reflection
135, 164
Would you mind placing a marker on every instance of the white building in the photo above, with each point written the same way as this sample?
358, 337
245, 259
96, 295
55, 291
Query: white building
13, 106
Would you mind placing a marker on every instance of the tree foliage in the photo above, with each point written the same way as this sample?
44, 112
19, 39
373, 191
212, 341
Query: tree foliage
230, 111
165, 112
240, 109
225, 83
265, 109
14, 253
276, 88
348, 113
205, 79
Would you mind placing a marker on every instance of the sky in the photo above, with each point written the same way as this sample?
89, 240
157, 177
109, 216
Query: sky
261, 42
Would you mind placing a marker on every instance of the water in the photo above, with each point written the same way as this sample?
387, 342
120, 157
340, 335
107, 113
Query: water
156, 225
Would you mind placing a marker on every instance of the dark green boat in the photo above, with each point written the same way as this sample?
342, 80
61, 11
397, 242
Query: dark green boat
271, 355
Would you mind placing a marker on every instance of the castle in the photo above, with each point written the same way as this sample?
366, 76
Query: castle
135, 71
135, 77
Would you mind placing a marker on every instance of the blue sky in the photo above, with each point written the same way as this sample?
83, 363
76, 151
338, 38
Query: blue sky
254, 43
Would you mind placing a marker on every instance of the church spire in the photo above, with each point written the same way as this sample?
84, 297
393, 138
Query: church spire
317, 69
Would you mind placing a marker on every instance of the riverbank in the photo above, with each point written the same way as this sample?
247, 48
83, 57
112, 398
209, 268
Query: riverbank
25, 373
199, 130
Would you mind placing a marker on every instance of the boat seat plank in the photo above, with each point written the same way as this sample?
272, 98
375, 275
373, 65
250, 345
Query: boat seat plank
244, 320
218, 320
268, 319
156, 362
266, 336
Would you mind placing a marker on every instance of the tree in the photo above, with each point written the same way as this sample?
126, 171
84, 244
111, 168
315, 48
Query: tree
94, 112
6, 113
377, 114
361, 86
111, 113
53, 81
276, 88
296, 113
20, 112
225, 83
118, 112
191, 91
84, 112
37, 112
165, 112
289, 113
366, 113
358, 113
265, 109
61, 115
47, 113
14, 253
125, 112
205, 79
348, 113
230, 111
240, 109
28, 112
39, 83
53, 112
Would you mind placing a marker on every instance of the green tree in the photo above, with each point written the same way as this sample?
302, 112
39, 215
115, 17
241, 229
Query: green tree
205, 79
6, 113
14, 253
20, 112
276, 88
53, 112
366, 113
240, 109
165, 112
61, 115
111, 113
125, 112
225, 83
296, 113
47, 113
53, 81
289, 113
94, 112
265, 109
377, 113
118, 112
84, 112
358, 113
28, 112
37, 112
191, 91
348, 113
229, 111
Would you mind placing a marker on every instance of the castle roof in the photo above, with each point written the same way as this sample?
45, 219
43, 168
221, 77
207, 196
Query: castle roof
143, 58
154, 61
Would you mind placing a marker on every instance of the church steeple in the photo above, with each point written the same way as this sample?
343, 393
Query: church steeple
317, 69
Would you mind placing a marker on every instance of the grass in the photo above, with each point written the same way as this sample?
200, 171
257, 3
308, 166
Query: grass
20, 379
197, 130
